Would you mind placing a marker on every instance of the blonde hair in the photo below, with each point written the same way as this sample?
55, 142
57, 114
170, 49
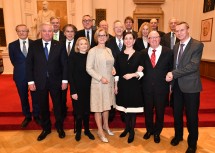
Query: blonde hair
141, 28
77, 50
97, 33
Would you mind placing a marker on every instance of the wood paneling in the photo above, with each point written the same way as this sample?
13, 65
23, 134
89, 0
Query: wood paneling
207, 68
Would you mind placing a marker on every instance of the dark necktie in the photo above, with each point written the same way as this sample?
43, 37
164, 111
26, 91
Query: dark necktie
180, 52
46, 51
120, 45
153, 58
68, 48
88, 36
172, 43
24, 49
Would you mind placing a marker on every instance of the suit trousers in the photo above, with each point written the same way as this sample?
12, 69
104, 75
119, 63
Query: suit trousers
157, 102
22, 88
64, 100
55, 94
190, 102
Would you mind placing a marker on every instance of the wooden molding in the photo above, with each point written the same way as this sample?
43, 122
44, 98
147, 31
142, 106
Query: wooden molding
207, 68
145, 2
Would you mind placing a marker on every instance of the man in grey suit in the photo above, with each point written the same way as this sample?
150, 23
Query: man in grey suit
186, 85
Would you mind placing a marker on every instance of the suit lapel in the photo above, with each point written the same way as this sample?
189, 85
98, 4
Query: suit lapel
52, 48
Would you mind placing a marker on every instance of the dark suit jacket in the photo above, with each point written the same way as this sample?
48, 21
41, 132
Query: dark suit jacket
154, 78
166, 40
161, 33
18, 60
138, 45
38, 66
81, 33
111, 43
187, 72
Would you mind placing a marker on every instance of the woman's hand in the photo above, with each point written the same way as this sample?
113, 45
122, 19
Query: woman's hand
75, 96
104, 80
113, 71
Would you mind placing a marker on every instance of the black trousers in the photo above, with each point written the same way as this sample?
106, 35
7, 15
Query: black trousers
154, 102
190, 102
64, 100
43, 96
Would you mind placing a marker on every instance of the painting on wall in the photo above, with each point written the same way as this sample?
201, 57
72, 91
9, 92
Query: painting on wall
56, 8
206, 29
208, 5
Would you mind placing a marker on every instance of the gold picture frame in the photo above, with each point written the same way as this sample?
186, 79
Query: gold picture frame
206, 30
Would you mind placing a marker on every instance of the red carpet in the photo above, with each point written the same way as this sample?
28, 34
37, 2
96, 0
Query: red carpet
11, 116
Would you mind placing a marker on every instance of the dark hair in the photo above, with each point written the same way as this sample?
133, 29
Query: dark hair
126, 33
129, 18
70, 25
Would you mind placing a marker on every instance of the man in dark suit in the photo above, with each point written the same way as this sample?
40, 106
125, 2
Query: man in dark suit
58, 35
157, 61
18, 51
87, 32
47, 72
128, 22
186, 84
104, 25
169, 39
154, 27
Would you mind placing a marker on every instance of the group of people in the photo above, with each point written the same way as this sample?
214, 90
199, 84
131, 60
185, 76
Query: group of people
132, 72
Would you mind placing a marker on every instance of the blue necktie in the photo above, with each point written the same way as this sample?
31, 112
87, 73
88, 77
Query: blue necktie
46, 51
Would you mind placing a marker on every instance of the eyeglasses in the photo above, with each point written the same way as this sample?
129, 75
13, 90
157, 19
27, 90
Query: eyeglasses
19, 31
154, 37
85, 21
102, 36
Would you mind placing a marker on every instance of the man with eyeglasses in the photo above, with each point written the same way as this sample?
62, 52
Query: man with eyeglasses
157, 61
18, 51
88, 31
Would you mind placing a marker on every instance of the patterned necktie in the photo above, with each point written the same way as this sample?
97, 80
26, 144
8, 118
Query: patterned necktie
68, 48
55, 37
153, 58
172, 43
180, 52
24, 49
120, 45
88, 36
46, 51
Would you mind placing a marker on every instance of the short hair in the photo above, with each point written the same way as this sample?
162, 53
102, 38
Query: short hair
141, 28
46, 23
70, 25
87, 16
126, 33
116, 22
54, 17
20, 25
183, 22
77, 43
129, 18
97, 33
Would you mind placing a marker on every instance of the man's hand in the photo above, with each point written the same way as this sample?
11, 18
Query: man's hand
169, 76
32, 87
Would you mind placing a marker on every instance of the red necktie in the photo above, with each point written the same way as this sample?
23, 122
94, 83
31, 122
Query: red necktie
153, 57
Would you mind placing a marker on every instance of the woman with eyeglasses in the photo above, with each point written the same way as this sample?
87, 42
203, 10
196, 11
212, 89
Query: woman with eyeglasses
100, 63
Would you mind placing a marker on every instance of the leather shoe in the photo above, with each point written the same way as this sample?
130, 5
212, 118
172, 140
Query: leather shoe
78, 136
43, 135
25, 122
157, 138
61, 133
147, 135
124, 133
175, 141
191, 150
131, 137
89, 134
37, 120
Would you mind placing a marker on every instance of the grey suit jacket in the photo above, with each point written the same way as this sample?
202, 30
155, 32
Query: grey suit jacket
187, 72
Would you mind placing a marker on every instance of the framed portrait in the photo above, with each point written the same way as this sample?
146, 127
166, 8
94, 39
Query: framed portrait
206, 29
208, 5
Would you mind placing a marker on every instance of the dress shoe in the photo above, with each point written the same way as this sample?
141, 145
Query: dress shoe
103, 138
25, 122
78, 136
191, 150
157, 138
43, 135
175, 141
89, 134
61, 133
147, 135
109, 132
131, 137
37, 120
124, 133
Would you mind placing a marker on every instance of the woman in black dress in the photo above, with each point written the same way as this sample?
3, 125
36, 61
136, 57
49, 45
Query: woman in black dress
80, 87
127, 87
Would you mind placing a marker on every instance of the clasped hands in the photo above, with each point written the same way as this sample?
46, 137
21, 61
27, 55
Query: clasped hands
169, 77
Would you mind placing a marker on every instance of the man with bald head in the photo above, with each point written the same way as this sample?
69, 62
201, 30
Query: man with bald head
104, 25
157, 62
154, 27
